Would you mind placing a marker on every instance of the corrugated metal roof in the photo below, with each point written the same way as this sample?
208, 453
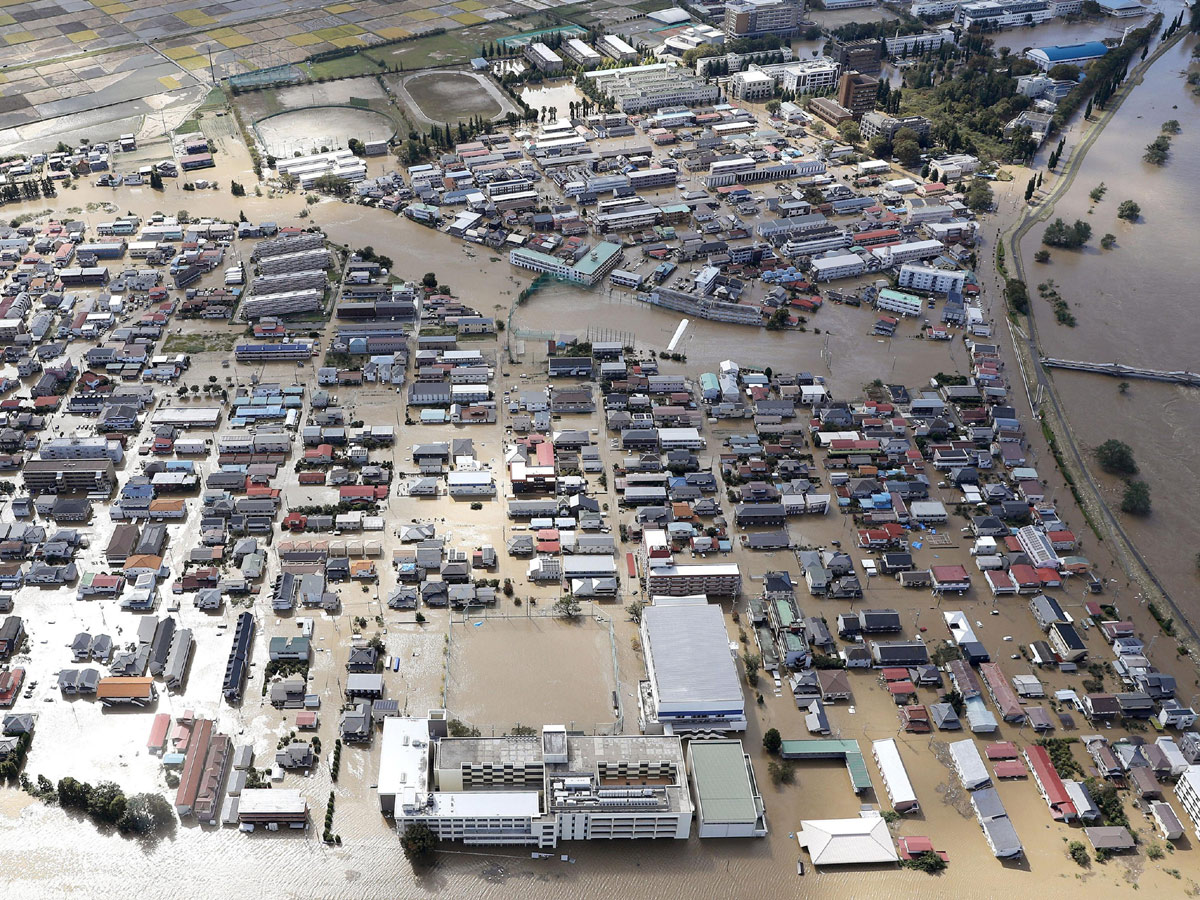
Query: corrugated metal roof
832, 749
722, 783
689, 646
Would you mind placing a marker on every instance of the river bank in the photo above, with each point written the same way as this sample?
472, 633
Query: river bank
1131, 306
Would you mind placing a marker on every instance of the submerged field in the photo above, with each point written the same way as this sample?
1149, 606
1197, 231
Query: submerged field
306, 130
451, 96
506, 672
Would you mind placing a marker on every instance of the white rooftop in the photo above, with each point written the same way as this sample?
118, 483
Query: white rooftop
256, 801
754, 77
699, 569
467, 804
847, 842
404, 759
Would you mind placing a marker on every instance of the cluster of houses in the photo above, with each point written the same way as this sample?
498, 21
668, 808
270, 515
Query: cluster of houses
217, 781
452, 384
218, 459
99, 158
563, 201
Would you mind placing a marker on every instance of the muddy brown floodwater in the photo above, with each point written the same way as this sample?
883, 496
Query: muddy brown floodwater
49, 855
1135, 304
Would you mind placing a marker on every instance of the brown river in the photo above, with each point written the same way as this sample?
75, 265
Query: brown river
1133, 305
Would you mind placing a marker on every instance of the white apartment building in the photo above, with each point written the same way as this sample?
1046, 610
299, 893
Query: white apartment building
470, 484
626, 279
711, 579
726, 171
753, 86
602, 259
916, 44
285, 303
643, 179
581, 53
653, 86
898, 254
923, 213
627, 219
339, 163
927, 278
945, 232
898, 302
680, 438
808, 76
843, 265
936, 9
533, 790
1006, 14
82, 448
614, 47
755, 18
1187, 789
691, 37
839, 241
542, 57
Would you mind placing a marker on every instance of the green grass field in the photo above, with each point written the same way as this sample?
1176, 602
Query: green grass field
200, 343
344, 67
450, 48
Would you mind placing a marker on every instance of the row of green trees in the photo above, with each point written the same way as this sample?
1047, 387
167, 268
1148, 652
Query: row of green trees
29, 189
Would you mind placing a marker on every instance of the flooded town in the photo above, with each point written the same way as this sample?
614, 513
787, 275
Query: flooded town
625, 449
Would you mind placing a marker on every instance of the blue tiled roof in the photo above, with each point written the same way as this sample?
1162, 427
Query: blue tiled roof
1085, 50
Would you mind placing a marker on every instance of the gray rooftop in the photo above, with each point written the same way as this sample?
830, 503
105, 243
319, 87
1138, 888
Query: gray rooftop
584, 752
689, 649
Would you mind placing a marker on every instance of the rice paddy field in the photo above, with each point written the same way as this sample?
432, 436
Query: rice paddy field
109, 66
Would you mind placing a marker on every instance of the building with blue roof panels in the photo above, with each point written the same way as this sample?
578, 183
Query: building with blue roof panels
1074, 54
1123, 9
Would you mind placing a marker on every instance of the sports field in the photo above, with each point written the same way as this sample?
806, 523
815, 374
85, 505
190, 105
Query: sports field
451, 96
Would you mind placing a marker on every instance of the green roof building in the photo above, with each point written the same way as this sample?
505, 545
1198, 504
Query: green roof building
728, 803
